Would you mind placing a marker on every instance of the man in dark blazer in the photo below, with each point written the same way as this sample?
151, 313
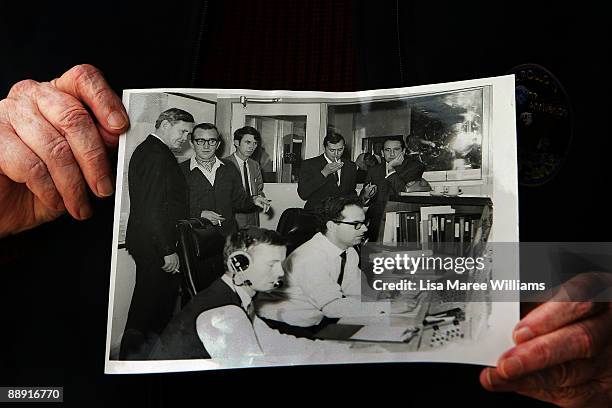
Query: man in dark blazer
326, 175
246, 140
158, 198
215, 188
387, 179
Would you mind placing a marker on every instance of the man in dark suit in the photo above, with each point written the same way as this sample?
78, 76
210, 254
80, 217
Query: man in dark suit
158, 198
326, 175
246, 140
387, 179
215, 188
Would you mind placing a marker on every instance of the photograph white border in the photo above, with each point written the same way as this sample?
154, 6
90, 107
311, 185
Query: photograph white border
503, 157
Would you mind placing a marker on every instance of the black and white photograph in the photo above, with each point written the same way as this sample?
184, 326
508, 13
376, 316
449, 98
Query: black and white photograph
250, 226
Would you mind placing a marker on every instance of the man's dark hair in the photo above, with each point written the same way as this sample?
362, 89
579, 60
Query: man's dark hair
369, 160
246, 237
247, 130
204, 126
332, 207
398, 139
174, 115
333, 137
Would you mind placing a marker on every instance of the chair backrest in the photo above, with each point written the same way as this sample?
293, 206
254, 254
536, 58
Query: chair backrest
200, 253
297, 226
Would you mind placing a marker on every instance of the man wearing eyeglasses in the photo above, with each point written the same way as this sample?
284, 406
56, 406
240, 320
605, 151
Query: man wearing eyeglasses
215, 189
323, 279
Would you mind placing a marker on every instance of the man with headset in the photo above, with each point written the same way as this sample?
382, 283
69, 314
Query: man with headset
225, 322
323, 275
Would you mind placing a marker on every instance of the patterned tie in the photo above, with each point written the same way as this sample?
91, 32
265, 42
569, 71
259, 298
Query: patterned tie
342, 264
247, 185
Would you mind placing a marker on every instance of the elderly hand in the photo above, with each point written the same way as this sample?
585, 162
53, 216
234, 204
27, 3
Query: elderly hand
563, 352
53, 141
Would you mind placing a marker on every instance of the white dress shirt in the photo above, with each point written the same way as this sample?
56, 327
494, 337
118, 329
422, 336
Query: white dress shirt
227, 332
241, 168
312, 291
210, 175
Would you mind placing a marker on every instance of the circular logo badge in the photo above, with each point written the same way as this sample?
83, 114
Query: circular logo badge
544, 124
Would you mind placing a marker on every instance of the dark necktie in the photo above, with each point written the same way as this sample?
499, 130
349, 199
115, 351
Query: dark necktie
342, 264
337, 178
247, 185
251, 311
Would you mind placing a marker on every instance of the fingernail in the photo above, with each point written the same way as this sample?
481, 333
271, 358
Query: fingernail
85, 211
511, 367
522, 334
116, 120
494, 380
105, 186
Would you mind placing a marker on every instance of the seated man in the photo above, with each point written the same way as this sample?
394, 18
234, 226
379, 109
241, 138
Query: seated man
323, 275
215, 188
219, 322
388, 179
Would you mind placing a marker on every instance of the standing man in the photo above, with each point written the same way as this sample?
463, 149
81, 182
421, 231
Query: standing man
387, 179
246, 140
216, 191
158, 199
326, 175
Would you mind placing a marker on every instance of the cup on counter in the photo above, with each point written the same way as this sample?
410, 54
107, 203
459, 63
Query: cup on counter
452, 190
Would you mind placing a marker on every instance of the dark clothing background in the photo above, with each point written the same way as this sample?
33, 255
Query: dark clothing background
225, 197
314, 187
54, 295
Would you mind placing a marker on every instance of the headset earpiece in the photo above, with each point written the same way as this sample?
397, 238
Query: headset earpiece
238, 262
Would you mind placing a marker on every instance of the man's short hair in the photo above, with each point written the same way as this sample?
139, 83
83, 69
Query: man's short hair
204, 126
332, 207
247, 237
333, 137
174, 115
370, 160
247, 130
397, 139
